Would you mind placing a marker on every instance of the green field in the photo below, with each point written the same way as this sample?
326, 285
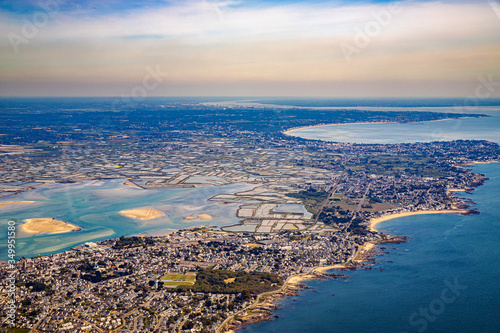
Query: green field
17, 330
187, 279
345, 203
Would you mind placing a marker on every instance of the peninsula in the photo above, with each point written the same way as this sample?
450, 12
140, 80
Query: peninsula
8, 203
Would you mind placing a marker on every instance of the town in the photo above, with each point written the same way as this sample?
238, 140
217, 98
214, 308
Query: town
57, 294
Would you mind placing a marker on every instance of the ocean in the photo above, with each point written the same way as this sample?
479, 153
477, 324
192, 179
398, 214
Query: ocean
444, 279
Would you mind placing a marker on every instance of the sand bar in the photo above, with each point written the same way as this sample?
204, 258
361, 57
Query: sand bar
201, 217
375, 221
323, 269
6, 203
296, 279
481, 162
142, 213
34, 226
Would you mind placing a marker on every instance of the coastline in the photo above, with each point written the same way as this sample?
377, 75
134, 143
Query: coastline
375, 221
261, 310
248, 316
265, 303
293, 283
287, 132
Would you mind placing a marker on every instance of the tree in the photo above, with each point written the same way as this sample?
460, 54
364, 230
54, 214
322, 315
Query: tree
188, 325
245, 295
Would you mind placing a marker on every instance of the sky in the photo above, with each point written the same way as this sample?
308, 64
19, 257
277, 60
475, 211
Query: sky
250, 48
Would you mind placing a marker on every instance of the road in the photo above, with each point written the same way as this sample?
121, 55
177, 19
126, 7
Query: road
330, 195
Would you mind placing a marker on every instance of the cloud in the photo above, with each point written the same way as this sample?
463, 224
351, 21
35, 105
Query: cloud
202, 43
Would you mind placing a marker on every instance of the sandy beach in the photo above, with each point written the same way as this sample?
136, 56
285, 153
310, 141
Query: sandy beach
6, 203
323, 269
142, 213
265, 303
478, 162
375, 221
34, 226
296, 279
362, 252
201, 217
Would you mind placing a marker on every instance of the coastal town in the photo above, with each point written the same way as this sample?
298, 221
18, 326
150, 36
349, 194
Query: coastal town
313, 205
62, 293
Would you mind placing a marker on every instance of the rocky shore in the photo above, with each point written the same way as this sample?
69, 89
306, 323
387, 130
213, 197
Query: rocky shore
263, 309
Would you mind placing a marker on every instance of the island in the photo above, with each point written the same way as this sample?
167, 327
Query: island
142, 213
48, 225
8, 203
201, 217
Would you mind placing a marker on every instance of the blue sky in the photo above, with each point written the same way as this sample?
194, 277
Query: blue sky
285, 48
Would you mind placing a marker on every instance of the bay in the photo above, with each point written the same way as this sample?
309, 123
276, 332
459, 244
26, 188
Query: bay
94, 206
484, 128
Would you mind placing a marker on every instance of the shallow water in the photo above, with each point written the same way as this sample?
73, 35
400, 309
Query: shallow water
94, 207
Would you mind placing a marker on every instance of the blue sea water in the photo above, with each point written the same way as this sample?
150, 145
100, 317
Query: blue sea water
484, 128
